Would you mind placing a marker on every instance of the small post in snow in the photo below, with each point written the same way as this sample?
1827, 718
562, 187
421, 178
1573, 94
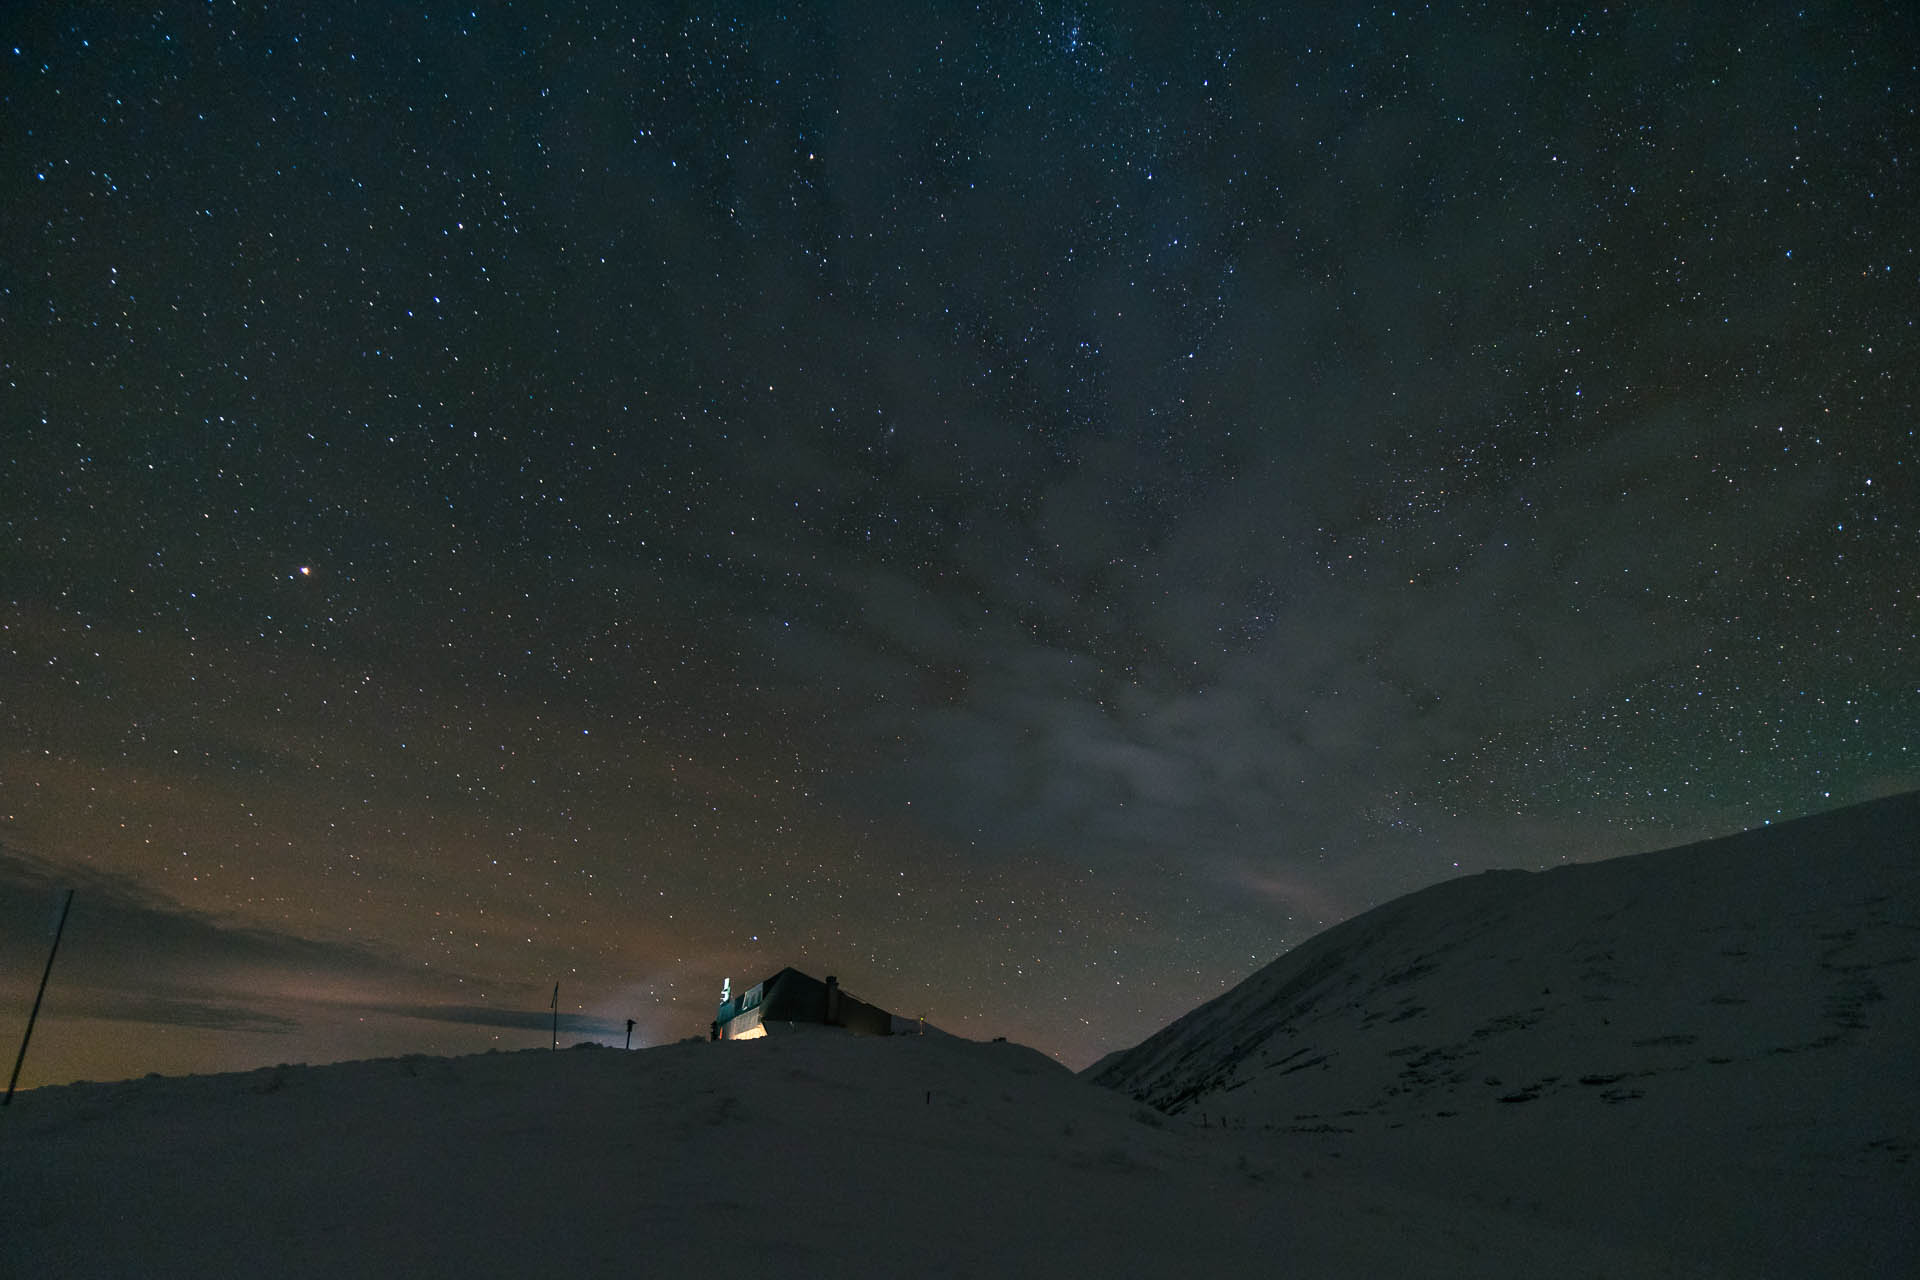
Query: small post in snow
46, 973
556, 1016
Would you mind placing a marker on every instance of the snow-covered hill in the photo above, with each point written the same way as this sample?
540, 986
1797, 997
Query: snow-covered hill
1712, 1050
810, 1155
1693, 1063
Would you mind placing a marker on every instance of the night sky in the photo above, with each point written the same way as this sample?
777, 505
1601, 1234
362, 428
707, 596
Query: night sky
1030, 510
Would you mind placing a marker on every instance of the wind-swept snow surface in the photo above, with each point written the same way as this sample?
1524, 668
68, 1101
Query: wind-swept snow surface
1712, 1052
809, 1155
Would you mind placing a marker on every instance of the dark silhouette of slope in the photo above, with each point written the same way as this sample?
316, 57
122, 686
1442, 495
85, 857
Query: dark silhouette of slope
811, 1154
1723, 1036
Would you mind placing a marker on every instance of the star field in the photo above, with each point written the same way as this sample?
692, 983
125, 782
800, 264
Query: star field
1033, 512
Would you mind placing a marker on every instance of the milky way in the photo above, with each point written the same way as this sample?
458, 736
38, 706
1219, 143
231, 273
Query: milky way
1032, 514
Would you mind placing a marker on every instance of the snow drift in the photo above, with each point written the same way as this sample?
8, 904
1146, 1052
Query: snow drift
816, 1154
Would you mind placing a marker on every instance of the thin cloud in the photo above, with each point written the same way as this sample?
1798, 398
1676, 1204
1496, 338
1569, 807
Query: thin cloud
129, 954
479, 1015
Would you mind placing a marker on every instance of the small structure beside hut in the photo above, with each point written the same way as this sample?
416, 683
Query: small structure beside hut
790, 1000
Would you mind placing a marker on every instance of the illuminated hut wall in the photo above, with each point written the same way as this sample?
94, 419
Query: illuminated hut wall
790, 1000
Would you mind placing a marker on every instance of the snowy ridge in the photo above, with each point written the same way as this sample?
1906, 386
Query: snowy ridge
1691, 1063
814, 1154
1732, 1025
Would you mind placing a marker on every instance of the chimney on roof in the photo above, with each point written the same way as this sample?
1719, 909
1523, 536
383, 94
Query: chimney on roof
833, 1001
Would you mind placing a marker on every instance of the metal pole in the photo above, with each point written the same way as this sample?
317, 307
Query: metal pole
37, 997
556, 1016
629, 1033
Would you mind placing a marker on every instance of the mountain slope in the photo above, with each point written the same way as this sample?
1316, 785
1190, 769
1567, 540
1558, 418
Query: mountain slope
807, 1155
1692, 1063
1719, 1038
